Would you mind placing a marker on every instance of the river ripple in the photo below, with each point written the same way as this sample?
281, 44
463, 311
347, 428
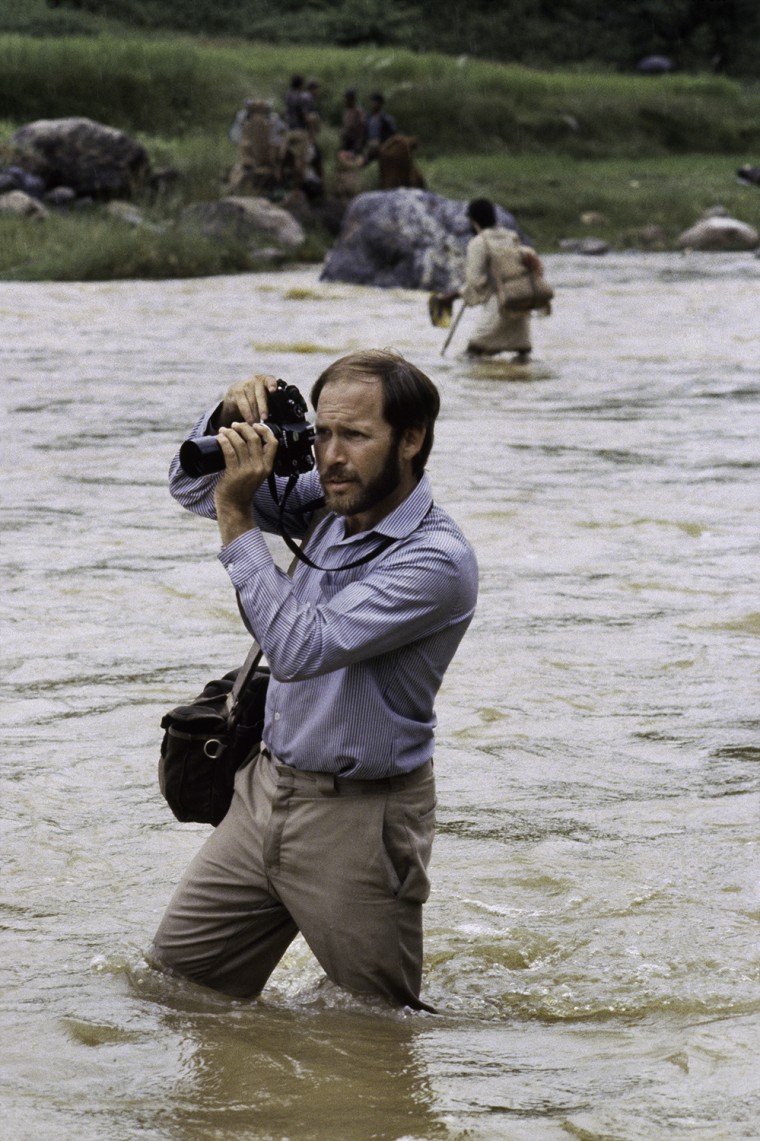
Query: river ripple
592, 932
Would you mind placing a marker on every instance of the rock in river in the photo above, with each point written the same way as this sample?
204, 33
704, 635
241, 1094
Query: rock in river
408, 239
718, 234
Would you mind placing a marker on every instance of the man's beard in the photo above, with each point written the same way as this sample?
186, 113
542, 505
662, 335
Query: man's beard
364, 498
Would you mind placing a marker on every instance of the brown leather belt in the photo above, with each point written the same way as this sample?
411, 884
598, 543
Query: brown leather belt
331, 784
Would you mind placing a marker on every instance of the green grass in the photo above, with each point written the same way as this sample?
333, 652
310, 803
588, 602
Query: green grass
178, 85
95, 247
130, 82
548, 193
588, 34
546, 145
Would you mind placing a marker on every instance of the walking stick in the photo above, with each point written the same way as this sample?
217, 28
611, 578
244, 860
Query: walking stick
453, 329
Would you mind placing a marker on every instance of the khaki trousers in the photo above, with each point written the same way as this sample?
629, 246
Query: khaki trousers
342, 861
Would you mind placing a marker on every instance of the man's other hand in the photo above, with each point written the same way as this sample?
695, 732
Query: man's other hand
246, 400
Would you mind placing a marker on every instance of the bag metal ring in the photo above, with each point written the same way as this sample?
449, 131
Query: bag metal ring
213, 748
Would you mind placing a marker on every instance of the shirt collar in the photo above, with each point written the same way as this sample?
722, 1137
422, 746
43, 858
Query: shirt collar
400, 522
410, 512
397, 524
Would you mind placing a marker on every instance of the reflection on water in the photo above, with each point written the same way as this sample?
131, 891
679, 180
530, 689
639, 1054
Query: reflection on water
592, 933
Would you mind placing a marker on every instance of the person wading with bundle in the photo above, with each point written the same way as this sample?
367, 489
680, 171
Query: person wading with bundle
493, 254
331, 824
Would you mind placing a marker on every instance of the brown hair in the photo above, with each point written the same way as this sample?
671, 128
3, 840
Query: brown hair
410, 399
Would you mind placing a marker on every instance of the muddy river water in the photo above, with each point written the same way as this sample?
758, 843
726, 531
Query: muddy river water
592, 935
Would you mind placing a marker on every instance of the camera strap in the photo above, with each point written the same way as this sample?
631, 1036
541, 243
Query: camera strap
292, 480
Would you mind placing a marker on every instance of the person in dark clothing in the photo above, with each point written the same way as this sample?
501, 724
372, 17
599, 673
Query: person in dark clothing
380, 125
298, 102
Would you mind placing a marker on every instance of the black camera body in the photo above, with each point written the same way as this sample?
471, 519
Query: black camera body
287, 420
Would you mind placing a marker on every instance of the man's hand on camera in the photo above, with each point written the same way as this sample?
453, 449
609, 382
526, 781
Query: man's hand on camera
246, 400
249, 451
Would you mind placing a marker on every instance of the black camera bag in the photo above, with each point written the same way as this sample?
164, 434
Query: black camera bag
206, 742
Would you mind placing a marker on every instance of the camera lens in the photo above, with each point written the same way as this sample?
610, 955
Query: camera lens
202, 456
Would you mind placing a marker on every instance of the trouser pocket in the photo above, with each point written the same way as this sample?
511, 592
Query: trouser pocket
408, 830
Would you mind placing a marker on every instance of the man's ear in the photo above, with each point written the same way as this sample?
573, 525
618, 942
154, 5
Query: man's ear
412, 440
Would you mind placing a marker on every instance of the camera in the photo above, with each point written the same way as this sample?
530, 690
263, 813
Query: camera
287, 420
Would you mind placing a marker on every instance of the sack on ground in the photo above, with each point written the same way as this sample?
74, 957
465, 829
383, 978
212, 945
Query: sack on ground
523, 293
205, 743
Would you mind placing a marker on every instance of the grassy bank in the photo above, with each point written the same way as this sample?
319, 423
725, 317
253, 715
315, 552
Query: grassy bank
548, 146
698, 36
549, 194
98, 247
177, 85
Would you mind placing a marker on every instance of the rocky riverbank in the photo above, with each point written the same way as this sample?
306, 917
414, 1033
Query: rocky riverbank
77, 171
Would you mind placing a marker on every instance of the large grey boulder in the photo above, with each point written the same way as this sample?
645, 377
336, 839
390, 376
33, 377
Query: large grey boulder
408, 239
93, 159
247, 218
719, 234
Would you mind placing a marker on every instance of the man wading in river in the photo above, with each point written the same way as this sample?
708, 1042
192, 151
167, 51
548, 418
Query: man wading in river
331, 825
495, 252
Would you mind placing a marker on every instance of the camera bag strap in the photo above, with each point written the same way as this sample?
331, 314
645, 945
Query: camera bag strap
247, 670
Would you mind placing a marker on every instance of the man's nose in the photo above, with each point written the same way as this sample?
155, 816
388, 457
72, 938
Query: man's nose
331, 451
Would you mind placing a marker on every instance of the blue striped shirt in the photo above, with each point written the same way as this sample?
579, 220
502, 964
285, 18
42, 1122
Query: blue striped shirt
357, 656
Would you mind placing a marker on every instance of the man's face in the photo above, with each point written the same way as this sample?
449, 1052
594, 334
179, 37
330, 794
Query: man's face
359, 461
